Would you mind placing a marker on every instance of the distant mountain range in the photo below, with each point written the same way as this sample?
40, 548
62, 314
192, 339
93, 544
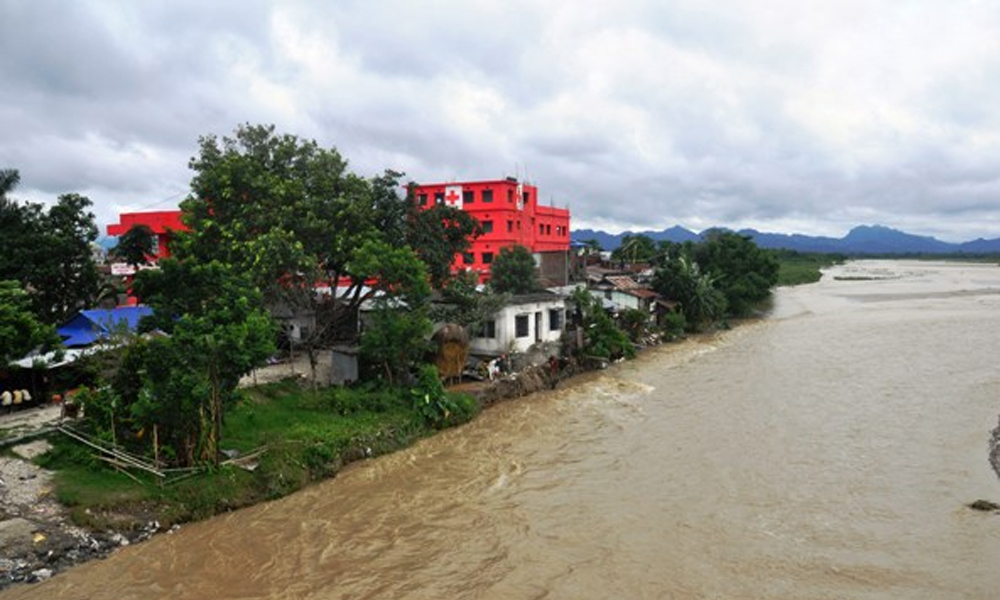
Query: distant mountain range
865, 239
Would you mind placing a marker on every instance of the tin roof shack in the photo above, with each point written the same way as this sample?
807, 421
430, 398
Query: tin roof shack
625, 292
527, 320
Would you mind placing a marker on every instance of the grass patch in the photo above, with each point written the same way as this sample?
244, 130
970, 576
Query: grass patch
307, 436
797, 268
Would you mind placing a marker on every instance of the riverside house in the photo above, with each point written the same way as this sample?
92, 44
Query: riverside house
528, 319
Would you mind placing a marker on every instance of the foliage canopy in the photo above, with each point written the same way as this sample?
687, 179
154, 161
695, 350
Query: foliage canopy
513, 271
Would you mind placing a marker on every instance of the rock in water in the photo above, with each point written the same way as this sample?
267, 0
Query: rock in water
984, 505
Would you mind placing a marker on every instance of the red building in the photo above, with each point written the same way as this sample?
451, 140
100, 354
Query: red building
163, 223
510, 214
507, 209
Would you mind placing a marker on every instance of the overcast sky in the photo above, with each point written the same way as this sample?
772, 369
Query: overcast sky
781, 115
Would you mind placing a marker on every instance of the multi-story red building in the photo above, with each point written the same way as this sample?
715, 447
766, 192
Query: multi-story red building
510, 214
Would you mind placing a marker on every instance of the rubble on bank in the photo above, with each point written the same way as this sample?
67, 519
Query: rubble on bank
37, 538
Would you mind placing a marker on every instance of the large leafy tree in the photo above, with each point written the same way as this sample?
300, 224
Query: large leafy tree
744, 272
65, 276
396, 338
216, 332
514, 272
20, 330
49, 251
289, 214
437, 235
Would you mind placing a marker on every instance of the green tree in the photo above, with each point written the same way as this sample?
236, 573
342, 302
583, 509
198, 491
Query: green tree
49, 251
602, 338
20, 330
9, 178
682, 280
438, 234
289, 214
64, 275
514, 272
464, 304
635, 248
216, 333
635, 323
396, 338
135, 246
743, 272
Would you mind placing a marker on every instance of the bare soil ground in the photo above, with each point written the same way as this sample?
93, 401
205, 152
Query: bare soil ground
37, 537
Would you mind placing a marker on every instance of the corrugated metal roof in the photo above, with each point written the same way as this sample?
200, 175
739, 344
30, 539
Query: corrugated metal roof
623, 282
89, 326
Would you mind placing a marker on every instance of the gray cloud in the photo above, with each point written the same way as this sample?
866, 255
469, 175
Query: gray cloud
636, 114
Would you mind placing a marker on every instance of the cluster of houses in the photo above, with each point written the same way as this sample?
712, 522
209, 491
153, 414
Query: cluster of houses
530, 325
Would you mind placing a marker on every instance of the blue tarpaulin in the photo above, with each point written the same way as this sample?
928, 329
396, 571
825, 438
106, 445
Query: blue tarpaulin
89, 326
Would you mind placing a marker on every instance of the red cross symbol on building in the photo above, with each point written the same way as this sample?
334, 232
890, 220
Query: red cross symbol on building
452, 198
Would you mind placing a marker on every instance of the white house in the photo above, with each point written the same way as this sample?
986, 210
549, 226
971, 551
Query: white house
526, 320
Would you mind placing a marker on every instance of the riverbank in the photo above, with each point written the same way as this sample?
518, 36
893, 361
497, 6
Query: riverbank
62, 506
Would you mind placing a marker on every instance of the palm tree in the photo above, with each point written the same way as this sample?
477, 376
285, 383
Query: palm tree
9, 178
682, 280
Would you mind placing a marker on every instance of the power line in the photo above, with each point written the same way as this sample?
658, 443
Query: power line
162, 201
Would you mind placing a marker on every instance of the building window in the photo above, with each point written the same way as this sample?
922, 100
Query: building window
524, 198
487, 226
548, 230
541, 229
487, 258
521, 326
438, 197
488, 329
468, 258
487, 195
510, 196
510, 226
422, 199
555, 319
519, 226
468, 197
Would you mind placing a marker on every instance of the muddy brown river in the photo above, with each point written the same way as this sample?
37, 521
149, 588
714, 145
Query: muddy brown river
826, 452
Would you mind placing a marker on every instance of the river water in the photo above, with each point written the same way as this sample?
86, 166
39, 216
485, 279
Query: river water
825, 452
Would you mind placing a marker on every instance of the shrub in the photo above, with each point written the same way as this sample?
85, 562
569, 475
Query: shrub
437, 407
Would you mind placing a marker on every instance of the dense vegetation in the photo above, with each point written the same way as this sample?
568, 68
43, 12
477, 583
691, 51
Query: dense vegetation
726, 275
271, 218
47, 253
290, 437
